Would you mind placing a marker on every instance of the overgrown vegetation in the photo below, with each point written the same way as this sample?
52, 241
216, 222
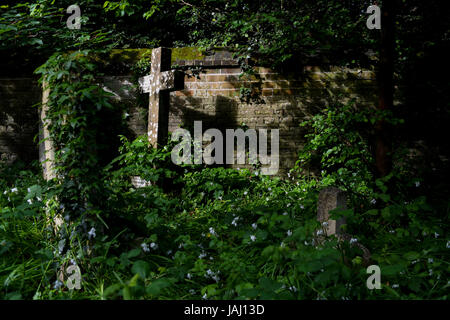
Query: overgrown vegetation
214, 233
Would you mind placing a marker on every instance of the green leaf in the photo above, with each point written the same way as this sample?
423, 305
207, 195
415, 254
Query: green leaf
142, 268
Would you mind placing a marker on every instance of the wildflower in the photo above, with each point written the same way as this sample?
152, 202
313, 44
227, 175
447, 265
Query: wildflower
58, 284
29, 201
245, 193
430, 272
289, 233
448, 244
430, 260
29, 190
254, 226
153, 246
5, 192
288, 205
394, 286
145, 247
211, 230
14, 190
256, 173
293, 289
325, 224
373, 201
289, 174
73, 262
391, 231
302, 207
192, 291
219, 197
169, 252
282, 245
202, 255
353, 240
417, 184
215, 278
319, 232
436, 234
285, 213
252, 237
189, 276
91, 233
39, 198
234, 222
205, 297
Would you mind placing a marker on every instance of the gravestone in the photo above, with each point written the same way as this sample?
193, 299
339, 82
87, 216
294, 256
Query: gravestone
158, 84
331, 198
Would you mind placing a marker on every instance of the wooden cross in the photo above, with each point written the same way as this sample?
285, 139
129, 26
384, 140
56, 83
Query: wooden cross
158, 84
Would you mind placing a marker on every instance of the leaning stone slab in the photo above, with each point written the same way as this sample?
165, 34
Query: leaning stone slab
331, 198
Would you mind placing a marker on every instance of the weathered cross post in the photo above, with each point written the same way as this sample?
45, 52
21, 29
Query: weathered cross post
158, 84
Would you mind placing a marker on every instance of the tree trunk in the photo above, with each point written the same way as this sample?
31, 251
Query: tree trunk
383, 136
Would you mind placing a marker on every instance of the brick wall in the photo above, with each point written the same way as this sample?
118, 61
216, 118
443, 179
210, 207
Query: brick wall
18, 118
212, 96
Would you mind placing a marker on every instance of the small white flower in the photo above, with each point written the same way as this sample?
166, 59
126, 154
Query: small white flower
436, 235
391, 231
14, 190
39, 198
58, 284
430, 260
29, 190
145, 247
289, 233
353, 240
192, 291
5, 192
288, 205
153, 246
205, 296
202, 255
215, 278
394, 286
373, 201
91, 233
256, 173
430, 272
212, 231
302, 206
234, 222
319, 232
285, 213
73, 262
293, 289
289, 174
282, 245
417, 184
169, 252
448, 244
189, 276
252, 237
219, 197
29, 201
254, 226
269, 189
325, 224
245, 193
